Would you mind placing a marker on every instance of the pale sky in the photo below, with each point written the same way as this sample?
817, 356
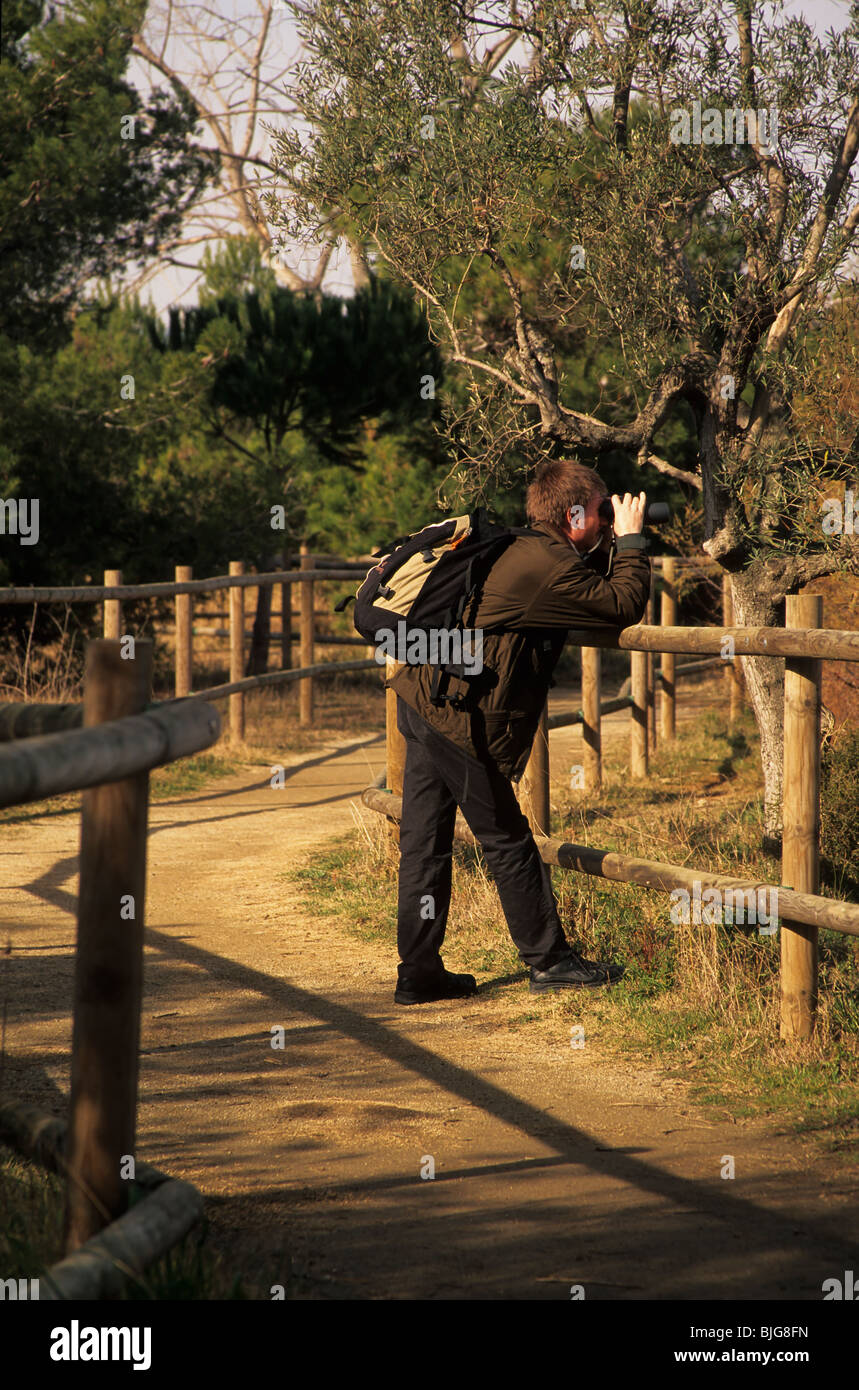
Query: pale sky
172, 285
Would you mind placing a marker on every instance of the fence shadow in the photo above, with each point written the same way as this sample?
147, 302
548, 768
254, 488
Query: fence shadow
666, 1235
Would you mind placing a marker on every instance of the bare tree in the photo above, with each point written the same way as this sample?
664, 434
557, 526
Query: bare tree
230, 68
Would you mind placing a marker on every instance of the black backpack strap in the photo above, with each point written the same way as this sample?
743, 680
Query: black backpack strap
467, 586
436, 696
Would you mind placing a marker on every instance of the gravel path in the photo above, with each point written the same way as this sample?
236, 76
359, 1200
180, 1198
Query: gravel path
554, 1167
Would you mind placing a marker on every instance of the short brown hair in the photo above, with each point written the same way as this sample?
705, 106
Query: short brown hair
559, 485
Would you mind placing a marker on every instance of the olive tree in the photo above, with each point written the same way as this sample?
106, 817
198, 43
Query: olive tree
684, 173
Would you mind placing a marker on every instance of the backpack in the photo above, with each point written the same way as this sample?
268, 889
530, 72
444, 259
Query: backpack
415, 602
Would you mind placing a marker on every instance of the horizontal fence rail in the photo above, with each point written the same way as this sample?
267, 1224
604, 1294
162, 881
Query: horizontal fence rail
829, 644
689, 667
564, 721
806, 908
20, 720
34, 768
27, 721
97, 593
324, 668
323, 570
320, 639
88, 593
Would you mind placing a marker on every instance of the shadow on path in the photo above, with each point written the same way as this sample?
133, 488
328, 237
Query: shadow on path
761, 1229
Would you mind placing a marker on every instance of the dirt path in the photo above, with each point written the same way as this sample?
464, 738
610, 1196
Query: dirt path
553, 1166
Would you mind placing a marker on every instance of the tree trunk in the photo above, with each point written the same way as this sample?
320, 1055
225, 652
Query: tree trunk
754, 605
261, 635
765, 685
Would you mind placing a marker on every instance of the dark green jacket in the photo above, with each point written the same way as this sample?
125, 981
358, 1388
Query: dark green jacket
536, 590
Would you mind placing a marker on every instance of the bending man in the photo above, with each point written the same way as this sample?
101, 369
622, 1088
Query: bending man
569, 573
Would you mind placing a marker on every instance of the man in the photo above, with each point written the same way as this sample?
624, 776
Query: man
568, 574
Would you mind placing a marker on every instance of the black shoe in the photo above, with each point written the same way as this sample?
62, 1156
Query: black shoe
574, 972
445, 986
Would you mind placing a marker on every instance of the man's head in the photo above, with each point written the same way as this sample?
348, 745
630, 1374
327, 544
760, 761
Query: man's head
568, 495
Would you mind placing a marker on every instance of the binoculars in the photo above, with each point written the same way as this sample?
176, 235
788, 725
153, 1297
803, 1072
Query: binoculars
654, 512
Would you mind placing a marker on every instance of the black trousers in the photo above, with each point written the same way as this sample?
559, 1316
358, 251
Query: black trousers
438, 776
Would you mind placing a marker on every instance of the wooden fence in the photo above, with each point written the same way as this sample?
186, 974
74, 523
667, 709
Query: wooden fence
314, 570
113, 592
106, 747
803, 648
803, 645
109, 758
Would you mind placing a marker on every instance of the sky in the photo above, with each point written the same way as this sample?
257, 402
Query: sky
170, 285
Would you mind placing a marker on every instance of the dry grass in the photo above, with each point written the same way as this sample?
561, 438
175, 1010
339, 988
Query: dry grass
47, 671
344, 706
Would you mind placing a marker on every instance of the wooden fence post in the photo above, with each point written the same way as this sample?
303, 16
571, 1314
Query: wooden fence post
109, 958
591, 725
728, 621
737, 678
237, 653
733, 679
638, 722
800, 819
286, 621
650, 618
668, 618
184, 634
112, 607
305, 694
534, 787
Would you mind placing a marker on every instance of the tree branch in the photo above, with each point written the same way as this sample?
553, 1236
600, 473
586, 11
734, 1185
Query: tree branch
777, 182
790, 574
255, 70
798, 286
663, 466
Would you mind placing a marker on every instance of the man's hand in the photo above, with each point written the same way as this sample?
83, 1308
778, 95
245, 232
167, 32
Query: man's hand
628, 514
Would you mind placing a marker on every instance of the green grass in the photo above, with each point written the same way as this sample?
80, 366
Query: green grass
701, 1001
190, 774
31, 1234
31, 1218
